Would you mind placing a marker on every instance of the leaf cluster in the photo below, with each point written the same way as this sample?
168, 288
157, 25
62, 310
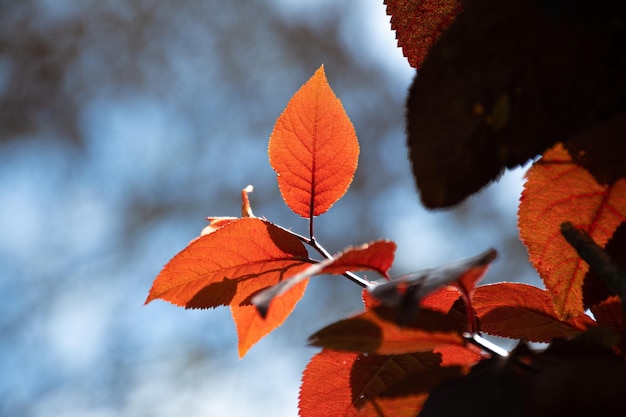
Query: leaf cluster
491, 93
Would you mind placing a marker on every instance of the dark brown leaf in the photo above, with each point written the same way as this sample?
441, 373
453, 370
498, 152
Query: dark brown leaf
503, 83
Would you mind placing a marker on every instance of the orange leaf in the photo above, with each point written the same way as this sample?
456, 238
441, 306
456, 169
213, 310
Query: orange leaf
442, 299
406, 291
453, 355
376, 256
229, 265
251, 327
351, 384
521, 311
418, 24
376, 331
557, 191
313, 149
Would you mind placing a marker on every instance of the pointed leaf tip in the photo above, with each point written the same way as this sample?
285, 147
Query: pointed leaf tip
228, 266
313, 149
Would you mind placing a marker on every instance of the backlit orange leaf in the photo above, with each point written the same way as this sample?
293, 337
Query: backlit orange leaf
558, 191
251, 327
228, 266
377, 256
418, 24
521, 311
351, 384
377, 331
313, 149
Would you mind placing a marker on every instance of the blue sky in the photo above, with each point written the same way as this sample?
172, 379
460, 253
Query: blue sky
172, 130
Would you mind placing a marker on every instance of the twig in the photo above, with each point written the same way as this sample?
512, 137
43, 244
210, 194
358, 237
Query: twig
485, 345
351, 276
613, 274
598, 259
312, 242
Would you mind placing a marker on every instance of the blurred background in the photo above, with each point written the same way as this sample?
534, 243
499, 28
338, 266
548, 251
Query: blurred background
123, 124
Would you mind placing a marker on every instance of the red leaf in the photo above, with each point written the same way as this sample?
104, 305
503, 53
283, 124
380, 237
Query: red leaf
313, 149
229, 265
418, 24
350, 384
251, 327
406, 291
521, 311
452, 355
504, 82
377, 331
558, 191
441, 300
376, 256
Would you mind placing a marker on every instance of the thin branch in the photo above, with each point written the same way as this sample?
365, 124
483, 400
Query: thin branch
485, 345
311, 232
613, 274
312, 242
351, 276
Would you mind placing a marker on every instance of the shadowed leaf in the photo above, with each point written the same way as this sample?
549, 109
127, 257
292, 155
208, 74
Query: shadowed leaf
351, 384
493, 380
595, 288
453, 355
503, 83
602, 149
418, 24
406, 291
609, 313
521, 311
377, 331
